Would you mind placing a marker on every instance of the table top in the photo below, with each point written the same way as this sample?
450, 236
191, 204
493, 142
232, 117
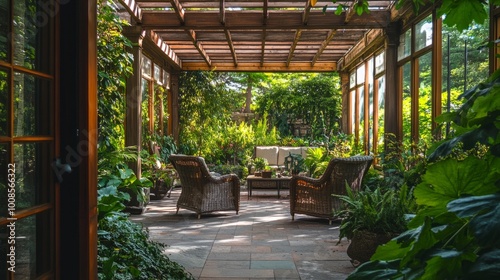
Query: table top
258, 178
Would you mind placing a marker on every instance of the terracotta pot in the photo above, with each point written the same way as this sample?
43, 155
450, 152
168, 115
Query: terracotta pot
364, 244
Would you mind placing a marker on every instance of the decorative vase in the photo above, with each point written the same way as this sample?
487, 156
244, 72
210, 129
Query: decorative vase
364, 244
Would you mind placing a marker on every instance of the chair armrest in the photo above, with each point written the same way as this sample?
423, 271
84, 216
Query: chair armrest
304, 181
224, 178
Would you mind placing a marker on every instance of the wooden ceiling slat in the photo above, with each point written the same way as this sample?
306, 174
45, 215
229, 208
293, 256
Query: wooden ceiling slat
323, 46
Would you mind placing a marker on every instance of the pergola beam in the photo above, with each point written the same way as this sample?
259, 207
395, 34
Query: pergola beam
246, 21
324, 44
267, 67
298, 33
231, 46
307, 10
133, 9
181, 16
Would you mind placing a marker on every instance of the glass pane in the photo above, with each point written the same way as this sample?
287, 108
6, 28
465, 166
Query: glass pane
4, 184
32, 106
423, 33
166, 79
424, 97
407, 103
380, 63
4, 29
32, 256
32, 35
352, 80
146, 66
4, 103
361, 91
157, 74
145, 106
370, 104
360, 74
352, 96
404, 48
33, 174
381, 113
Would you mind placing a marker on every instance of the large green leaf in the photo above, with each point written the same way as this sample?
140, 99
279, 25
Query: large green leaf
486, 266
449, 179
445, 264
461, 13
377, 270
392, 250
486, 227
472, 205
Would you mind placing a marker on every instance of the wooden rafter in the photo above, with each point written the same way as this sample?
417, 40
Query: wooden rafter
265, 11
222, 12
164, 48
199, 47
133, 9
179, 10
307, 10
350, 11
298, 33
323, 46
231, 46
263, 48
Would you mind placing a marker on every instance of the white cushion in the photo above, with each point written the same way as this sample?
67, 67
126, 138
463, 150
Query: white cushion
286, 151
268, 152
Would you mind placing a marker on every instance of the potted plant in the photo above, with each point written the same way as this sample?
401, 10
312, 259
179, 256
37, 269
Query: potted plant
371, 218
260, 164
267, 172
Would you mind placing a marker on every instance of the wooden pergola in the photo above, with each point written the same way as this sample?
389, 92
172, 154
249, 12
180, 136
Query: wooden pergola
289, 36
256, 35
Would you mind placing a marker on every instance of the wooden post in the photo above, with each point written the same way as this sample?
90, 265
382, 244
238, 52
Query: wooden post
346, 106
133, 118
393, 98
173, 106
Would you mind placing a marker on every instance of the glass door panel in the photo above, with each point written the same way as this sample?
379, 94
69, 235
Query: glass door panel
27, 140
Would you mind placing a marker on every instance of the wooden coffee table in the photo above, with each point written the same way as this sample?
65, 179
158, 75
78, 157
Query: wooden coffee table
255, 182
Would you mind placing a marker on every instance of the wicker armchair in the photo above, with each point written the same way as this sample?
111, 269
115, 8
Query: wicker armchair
313, 197
203, 192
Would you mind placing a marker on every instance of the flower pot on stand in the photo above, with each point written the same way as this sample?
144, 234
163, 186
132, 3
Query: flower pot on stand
267, 174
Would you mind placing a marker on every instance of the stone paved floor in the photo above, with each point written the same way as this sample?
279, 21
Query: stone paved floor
261, 242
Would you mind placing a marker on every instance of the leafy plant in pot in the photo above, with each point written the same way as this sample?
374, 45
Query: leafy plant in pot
260, 165
371, 218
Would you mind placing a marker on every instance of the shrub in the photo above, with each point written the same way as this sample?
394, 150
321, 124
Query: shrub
125, 252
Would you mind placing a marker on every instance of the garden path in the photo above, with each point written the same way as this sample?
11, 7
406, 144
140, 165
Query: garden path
261, 242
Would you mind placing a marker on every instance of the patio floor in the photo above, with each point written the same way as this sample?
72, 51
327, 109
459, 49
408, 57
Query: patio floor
261, 242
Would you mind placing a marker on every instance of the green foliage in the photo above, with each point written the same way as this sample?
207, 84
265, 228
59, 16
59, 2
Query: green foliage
312, 99
454, 234
240, 171
477, 121
206, 104
381, 210
125, 252
316, 161
114, 65
116, 181
260, 163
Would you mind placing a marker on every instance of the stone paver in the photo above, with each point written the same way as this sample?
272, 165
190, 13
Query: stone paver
261, 242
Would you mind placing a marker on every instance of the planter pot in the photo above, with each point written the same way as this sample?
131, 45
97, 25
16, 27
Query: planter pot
364, 244
160, 189
257, 174
267, 174
134, 206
